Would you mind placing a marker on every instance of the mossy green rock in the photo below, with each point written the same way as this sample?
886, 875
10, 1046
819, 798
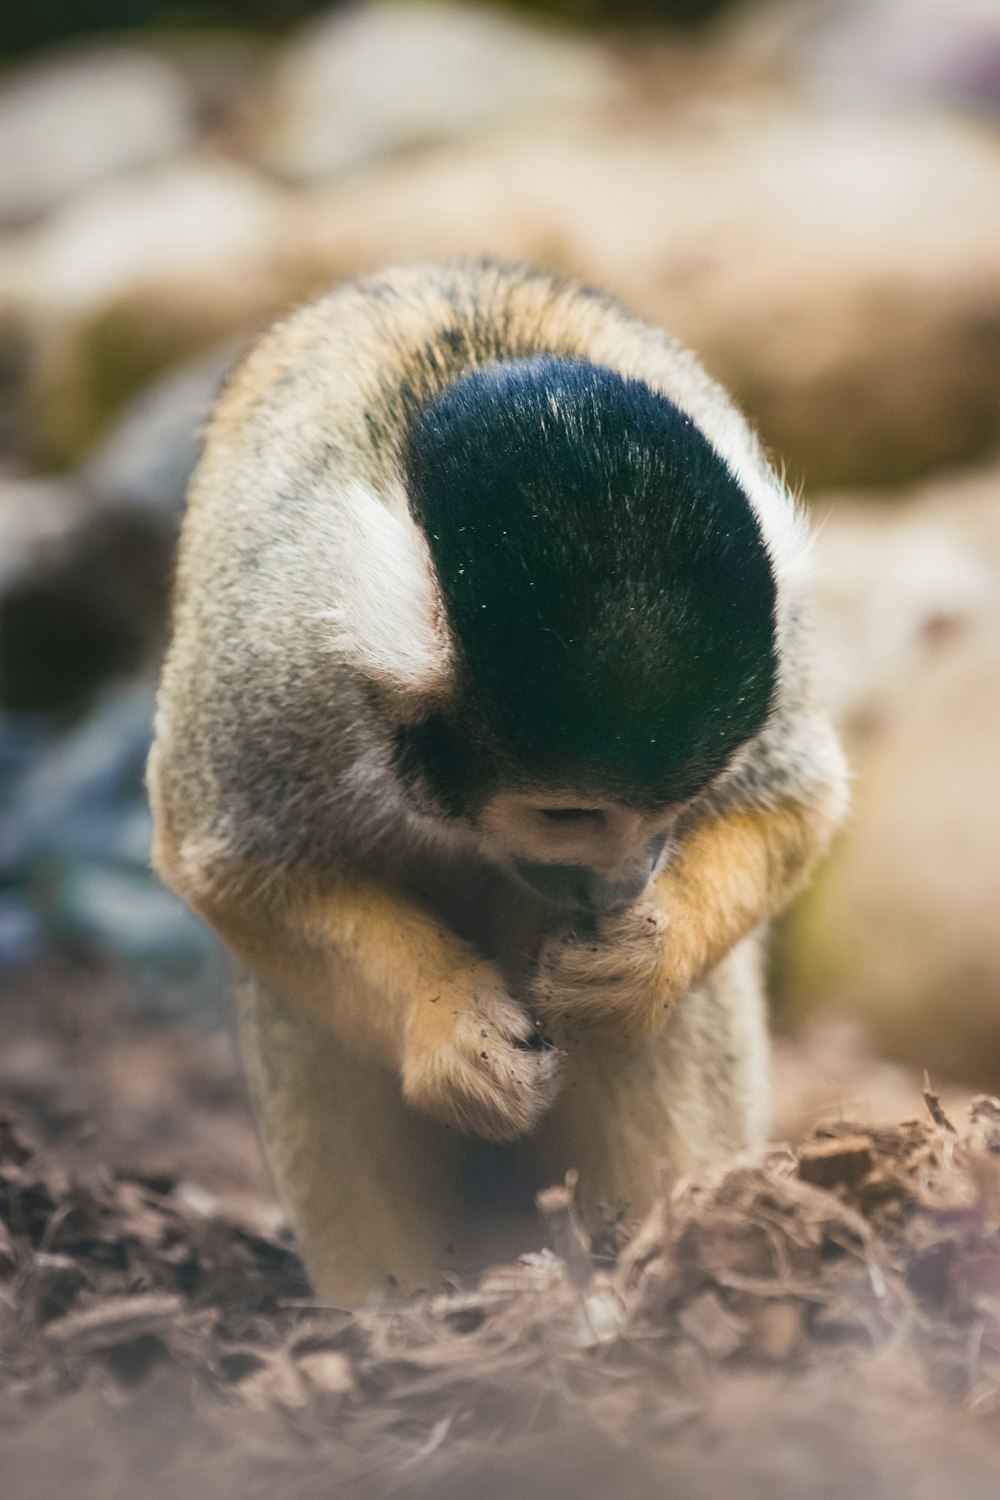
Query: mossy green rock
902, 927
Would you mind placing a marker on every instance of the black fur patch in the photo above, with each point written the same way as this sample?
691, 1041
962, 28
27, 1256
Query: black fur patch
605, 582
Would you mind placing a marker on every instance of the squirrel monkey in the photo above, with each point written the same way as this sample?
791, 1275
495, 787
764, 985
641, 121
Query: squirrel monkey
488, 741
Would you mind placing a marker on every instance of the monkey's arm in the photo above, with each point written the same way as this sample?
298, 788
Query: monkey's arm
387, 978
731, 870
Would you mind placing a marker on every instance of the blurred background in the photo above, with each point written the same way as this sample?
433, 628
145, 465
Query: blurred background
806, 191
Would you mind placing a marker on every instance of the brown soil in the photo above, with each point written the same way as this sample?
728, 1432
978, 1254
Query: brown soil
824, 1325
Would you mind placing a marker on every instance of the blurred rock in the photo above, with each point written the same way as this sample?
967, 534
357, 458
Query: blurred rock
92, 607
66, 614
15, 364
145, 461
84, 566
901, 581
902, 925
225, 71
876, 52
358, 84
75, 836
900, 929
72, 121
94, 288
840, 275
35, 515
74, 820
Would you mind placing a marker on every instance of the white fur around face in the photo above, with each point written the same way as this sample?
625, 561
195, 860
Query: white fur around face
784, 529
782, 522
388, 622
676, 372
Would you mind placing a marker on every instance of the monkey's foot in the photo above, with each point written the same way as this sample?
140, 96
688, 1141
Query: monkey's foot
480, 1064
619, 978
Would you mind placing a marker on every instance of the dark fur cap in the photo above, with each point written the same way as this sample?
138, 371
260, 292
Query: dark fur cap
605, 583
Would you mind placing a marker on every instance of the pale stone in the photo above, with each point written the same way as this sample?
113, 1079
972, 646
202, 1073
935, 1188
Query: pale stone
178, 221
134, 277
36, 514
358, 84
69, 123
901, 926
871, 53
840, 276
899, 581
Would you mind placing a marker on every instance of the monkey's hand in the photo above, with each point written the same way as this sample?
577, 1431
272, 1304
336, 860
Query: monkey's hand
728, 874
476, 1060
617, 975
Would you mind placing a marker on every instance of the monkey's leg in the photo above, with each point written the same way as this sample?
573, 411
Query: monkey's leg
689, 1098
367, 1181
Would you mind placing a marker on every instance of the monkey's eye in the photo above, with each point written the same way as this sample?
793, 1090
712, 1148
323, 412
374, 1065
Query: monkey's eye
571, 814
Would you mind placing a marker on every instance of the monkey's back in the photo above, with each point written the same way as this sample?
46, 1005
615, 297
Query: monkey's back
325, 400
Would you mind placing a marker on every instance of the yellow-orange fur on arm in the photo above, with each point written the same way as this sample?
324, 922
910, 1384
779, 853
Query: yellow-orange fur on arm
376, 969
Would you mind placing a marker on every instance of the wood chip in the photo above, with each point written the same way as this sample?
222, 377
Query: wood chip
777, 1328
327, 1370
933, 1102
276, 1385
570, 1240
840, 1163
719, 1332
115, 1321
984, 1112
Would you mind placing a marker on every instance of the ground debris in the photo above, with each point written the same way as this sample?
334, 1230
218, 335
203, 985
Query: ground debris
130, 1295
831, 1163
119, 1320
932, 1099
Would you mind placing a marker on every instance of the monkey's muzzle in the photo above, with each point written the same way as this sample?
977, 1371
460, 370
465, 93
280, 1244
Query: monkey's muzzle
579, 888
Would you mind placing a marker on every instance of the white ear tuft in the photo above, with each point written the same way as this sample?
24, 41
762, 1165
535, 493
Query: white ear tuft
786, 534
389, 621
781, 519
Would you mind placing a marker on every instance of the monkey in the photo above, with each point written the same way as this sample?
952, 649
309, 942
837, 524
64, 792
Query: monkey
489, 741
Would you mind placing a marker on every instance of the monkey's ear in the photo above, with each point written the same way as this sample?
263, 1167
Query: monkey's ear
388, 622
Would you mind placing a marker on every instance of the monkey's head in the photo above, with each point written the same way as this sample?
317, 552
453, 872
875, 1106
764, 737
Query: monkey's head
604, 607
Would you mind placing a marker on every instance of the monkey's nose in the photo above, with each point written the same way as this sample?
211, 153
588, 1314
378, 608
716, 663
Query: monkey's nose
578, 887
